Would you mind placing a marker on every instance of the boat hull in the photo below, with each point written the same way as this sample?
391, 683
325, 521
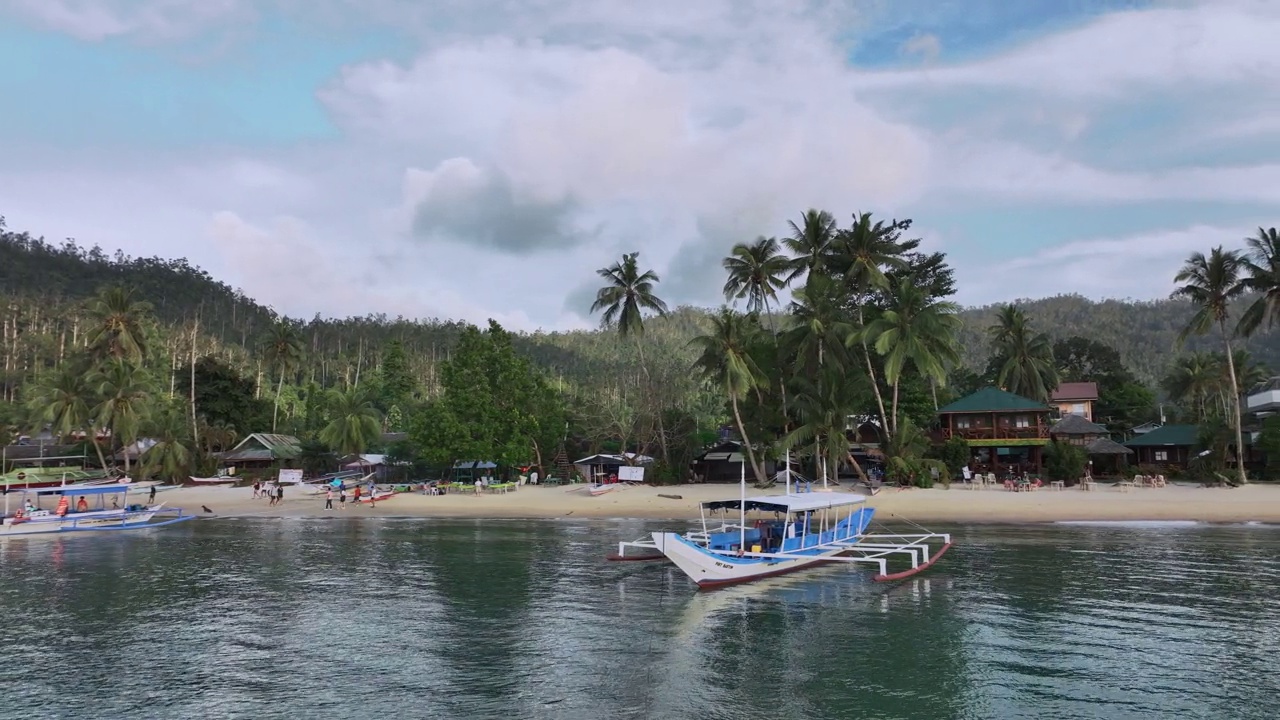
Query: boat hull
91, 522
709, 570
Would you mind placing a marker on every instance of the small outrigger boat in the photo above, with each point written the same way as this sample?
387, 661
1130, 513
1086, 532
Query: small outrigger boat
215, 481
34, 520
790, 532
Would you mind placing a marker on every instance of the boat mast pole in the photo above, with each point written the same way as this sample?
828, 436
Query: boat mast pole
788, 451
742, 507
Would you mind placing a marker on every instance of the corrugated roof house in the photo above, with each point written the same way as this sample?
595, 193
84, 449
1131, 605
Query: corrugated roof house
263, 448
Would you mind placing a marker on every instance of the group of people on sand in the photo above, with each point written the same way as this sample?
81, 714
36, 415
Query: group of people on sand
273, 491
355, 496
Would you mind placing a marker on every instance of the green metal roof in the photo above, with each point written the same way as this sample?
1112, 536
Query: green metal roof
264, 446
992, 399
1167, 435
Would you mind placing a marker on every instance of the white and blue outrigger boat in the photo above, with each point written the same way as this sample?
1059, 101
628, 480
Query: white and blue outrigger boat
776, 534
74, 512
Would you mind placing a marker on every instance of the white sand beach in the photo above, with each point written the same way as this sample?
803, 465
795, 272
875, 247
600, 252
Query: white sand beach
1259, 503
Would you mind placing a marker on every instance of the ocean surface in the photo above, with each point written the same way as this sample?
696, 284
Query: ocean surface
514, 619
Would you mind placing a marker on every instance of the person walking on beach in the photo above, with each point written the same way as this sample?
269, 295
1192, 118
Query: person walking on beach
279, 494
328, 499
342, 498
355, 495
152, 497
270, 493
257, 487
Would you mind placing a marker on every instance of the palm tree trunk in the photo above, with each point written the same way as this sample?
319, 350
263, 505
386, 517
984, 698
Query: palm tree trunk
93, 438
1235, 405
662, 430
933, 388
895, 409
275, 410
857, 468
871, 371
746, 444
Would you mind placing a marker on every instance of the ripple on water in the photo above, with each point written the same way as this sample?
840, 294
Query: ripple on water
438, 619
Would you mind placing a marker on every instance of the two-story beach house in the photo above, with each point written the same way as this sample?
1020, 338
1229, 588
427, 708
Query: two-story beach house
1005, 432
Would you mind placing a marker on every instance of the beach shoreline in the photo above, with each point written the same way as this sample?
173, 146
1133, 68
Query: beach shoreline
1252, 503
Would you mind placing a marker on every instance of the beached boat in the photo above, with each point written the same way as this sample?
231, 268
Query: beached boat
599, 488
32, 519
785, 533
39, 477
219, 480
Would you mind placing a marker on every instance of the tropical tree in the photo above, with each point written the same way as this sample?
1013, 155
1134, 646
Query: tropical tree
1024, 357
1193, 381
355, 423
170, 457
918, 330
116, 325
282, 349
125, 392
65, 400
1262, 265
861, 255
1211, 283
724, 361
627, 293
810, 242
756, 272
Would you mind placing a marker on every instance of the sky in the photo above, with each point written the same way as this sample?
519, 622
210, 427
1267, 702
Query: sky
475, 159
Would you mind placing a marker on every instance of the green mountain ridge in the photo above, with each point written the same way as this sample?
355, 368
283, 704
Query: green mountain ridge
41, 284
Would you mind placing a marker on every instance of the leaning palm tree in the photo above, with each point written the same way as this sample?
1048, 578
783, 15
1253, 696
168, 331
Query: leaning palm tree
725, 362
126, 396
627, 293
355, 423
283, 351
810, 242
1262, 263
116, 325
1211, 283
756, 272
65, 400
1025, 357
918, 330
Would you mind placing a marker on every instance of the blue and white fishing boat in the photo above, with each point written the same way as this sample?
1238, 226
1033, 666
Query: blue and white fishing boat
83, 508
776, 534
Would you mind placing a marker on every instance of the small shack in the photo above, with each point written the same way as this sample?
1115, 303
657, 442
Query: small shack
603, 467
260, 451
468, 471
722, 463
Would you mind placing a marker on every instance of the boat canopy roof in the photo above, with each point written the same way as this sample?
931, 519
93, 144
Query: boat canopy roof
796, 502
113, 489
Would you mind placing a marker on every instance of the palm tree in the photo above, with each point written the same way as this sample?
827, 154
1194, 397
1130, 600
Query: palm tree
283, 351
355, 424
64, 399
1025, 357
810, 242
1263, 266
169, 457
1192, 381
126, 394
861, 255
756, 272
626, 294
724, 361
1211, 284
915, 329
115, 329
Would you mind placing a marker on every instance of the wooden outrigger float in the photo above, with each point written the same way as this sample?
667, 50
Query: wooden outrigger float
790, 532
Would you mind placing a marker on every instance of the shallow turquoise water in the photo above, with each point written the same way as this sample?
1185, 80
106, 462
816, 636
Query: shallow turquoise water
513, 619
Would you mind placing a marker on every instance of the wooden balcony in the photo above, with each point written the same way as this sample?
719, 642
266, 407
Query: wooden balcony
1035, 432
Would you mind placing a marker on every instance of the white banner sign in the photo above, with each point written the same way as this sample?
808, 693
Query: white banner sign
631, 474
290, 476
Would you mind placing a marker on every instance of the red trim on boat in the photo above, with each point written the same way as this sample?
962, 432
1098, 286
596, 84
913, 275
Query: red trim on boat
913, 571
713, 584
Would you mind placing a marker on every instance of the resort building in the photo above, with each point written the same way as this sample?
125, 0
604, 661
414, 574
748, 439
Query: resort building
1005, 432
1075, 398
1166, 445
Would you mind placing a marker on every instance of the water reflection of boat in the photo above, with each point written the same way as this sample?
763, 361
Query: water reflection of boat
790, 532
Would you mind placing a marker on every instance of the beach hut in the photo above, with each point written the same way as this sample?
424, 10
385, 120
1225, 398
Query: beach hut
603, 467
468, 471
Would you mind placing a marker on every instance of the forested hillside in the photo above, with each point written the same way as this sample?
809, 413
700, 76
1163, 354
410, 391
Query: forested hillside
871, 333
